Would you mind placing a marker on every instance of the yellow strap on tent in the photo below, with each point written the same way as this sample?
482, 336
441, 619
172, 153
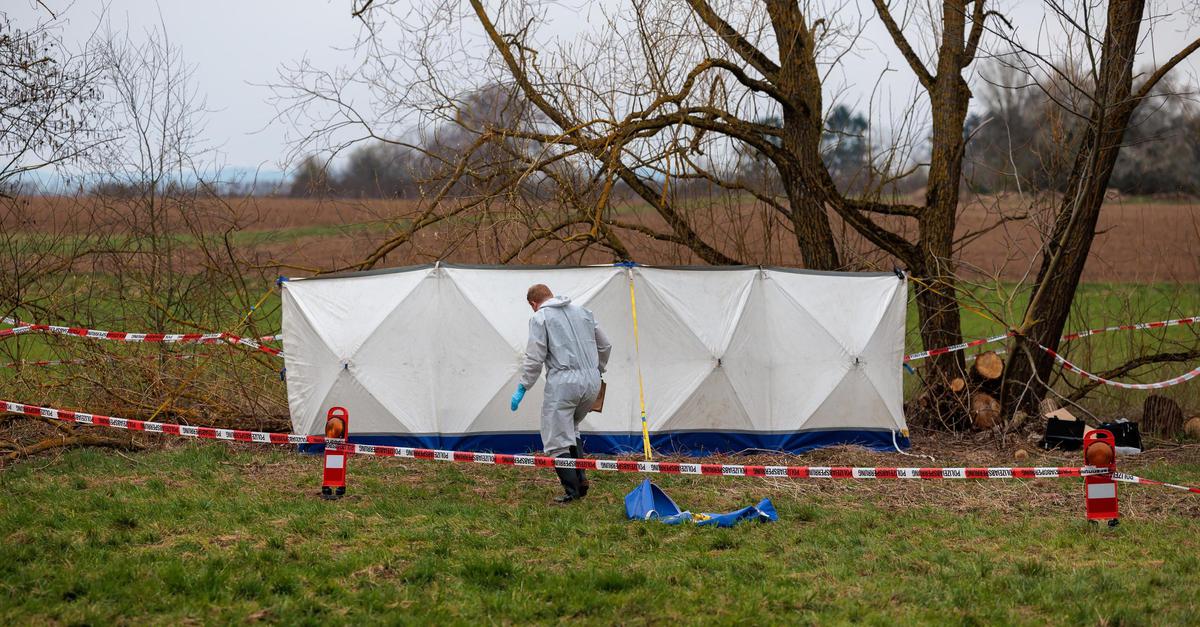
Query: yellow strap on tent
638, 353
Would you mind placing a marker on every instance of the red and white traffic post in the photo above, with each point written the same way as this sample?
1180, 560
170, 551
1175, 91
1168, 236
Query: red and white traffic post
1100, 491
337, 427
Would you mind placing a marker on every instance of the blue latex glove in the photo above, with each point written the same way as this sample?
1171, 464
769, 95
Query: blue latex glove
517, 396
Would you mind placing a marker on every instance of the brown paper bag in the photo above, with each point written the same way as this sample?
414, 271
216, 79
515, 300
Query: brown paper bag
598, 406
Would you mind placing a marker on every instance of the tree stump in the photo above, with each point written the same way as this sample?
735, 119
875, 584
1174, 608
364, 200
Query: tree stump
1161, 416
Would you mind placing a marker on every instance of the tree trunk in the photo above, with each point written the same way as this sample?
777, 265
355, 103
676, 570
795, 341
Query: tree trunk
800, 83
1161, 416
938, 316
937, 302
814, 235
1066, 252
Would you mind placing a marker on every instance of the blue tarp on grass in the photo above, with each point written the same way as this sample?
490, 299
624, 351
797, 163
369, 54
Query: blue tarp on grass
649, 502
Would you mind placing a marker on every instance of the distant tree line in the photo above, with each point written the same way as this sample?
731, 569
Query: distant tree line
408, 170
1021, 140
412, 169
1024, 140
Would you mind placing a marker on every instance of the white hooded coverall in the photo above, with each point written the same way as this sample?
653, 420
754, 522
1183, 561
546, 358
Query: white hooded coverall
566, 339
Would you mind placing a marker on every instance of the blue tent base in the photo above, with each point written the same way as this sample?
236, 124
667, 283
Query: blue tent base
688, 443
649, 502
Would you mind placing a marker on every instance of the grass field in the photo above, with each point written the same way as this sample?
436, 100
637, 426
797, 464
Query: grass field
214, 533
206, 533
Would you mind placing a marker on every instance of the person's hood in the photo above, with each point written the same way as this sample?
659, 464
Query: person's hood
557, 301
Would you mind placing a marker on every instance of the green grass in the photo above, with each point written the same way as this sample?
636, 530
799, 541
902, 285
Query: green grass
206, 533
992, 309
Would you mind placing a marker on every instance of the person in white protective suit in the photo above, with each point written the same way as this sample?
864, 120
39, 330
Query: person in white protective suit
566, 340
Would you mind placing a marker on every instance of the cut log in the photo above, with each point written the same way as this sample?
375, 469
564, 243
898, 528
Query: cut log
987, 367
1162, 416
986, 374
957, 384
985, 411
1192, 427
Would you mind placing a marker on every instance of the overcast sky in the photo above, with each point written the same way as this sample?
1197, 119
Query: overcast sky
237, 45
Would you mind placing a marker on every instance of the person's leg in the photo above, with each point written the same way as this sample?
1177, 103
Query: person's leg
581, 412
569, 478
581, 481
558, 440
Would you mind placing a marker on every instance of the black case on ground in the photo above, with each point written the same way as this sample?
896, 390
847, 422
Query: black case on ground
1125, 433
1065, 435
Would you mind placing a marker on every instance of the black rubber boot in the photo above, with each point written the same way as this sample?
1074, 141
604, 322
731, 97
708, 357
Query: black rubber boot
577, 453
570, 482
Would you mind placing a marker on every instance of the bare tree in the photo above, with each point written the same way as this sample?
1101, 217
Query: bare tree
48, 98
152, 247
670, 91
1107, 97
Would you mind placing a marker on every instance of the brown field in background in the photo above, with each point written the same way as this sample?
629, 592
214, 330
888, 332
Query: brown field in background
1138, 241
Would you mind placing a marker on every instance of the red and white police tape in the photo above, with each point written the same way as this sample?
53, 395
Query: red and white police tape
542, 461
187, 431
1127, 478
1157, 385
933, 352
724, 470
612, 465
124, 336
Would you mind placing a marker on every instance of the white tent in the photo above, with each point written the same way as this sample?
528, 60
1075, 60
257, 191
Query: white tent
732, 358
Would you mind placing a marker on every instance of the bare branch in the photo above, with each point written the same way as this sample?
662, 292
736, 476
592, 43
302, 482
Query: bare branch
1163, 69
914, 62
736, 42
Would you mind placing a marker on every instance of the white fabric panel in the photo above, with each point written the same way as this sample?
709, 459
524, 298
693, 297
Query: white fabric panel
436, 350
622, 412
712, 405
367, 413
807, 362
853, 402
477, 368
836, 318
749, 356
709, 302
365, 300
399, 362
309, 375
885, 348
674, 360
500, 293
848, 308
